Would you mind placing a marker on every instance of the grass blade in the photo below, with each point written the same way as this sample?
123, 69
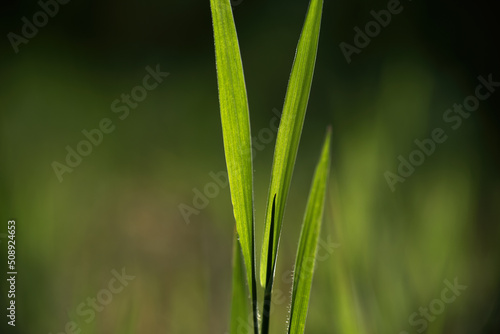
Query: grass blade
266, 310
236, 133
306, 253
239, 304
287, 142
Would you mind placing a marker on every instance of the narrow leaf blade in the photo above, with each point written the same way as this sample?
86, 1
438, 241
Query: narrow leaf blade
306, 253
235, 125
266, 310
290, 129
239, 303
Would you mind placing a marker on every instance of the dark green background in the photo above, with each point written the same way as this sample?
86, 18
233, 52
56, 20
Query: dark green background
120, 207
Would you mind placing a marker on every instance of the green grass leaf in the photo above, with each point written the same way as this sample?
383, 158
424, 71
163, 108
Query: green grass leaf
306, 253
239, 303
266, 310
290, 129
236, 133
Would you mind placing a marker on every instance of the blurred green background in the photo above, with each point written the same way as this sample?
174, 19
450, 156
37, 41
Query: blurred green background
390, 254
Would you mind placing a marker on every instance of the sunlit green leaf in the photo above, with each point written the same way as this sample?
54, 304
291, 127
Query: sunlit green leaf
239, 303
306, 253
266, 310
290, 129
236, 130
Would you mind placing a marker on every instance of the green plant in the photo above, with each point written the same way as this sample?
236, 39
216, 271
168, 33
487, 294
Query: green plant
237, 147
